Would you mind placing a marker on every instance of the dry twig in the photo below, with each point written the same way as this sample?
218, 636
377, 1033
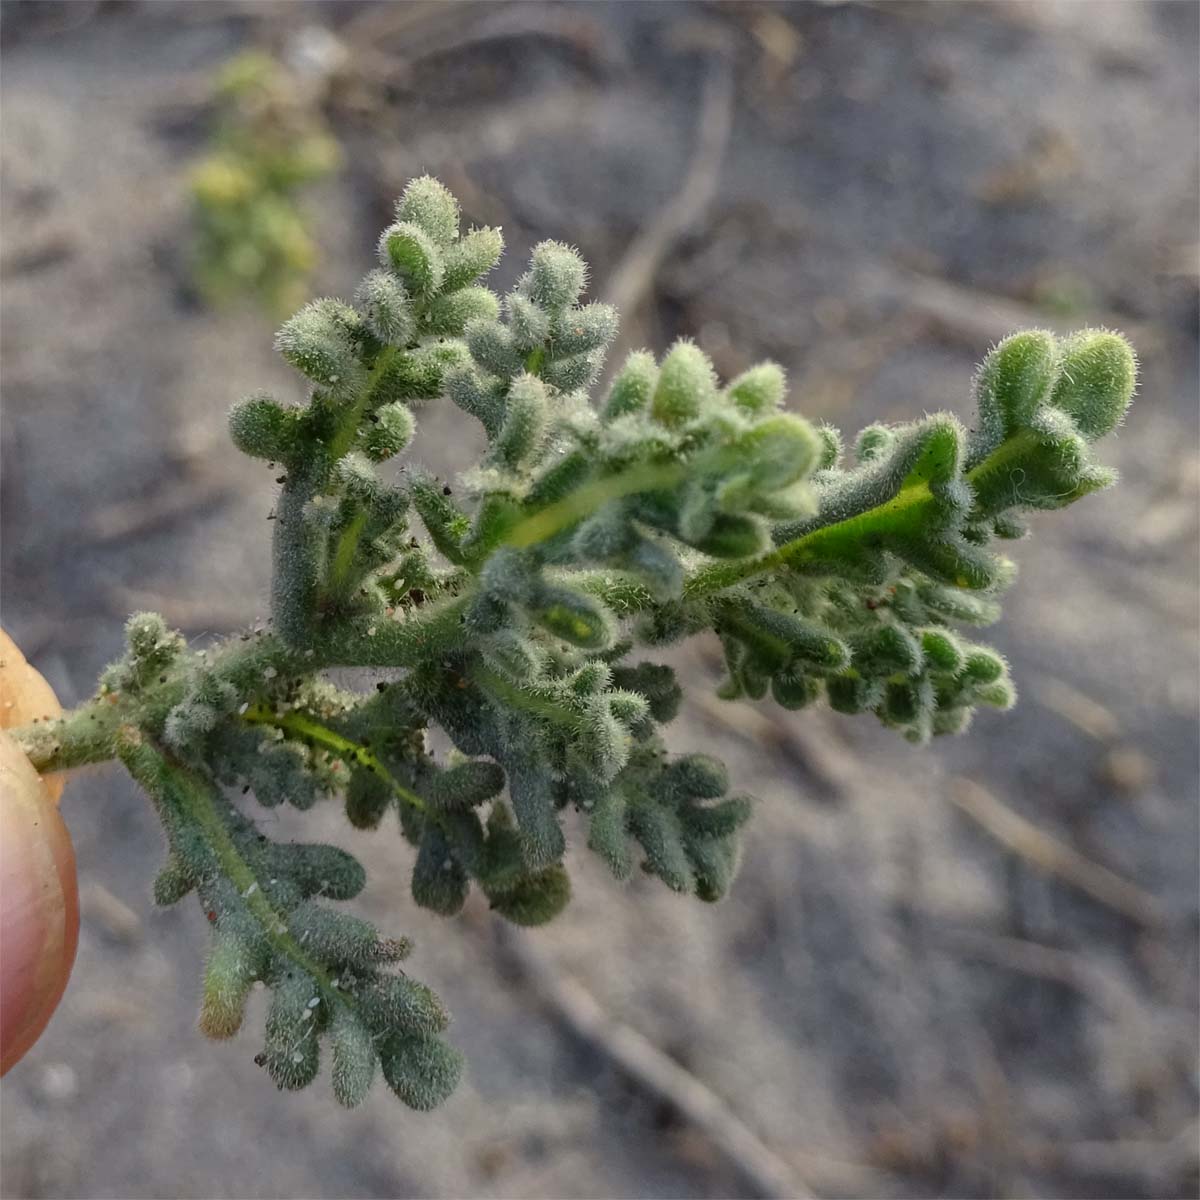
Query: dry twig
167, 505
971, 317
651, 1069
1047, 853
634, 276
1075, 706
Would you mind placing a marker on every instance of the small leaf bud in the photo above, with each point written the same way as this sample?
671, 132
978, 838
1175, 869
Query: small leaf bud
152, 646
263, 428
607, 835
830, 453
412, 254
316, 342
292, 1056
479, 398
386, 308
760, 390
1000, 694
686, 383
951, 720
633, 388
542, 840
367, 799
1009, 527
421, 1070
556, 276
398, 1003
320, 870
438, 881
793, 691
172, 883
852, 694
1014, 381
337, 937
605, 535
524, 422
391, 432
516, 657
354, 1059
430, 206
570, 374
536, 899
778, 451
228, 977
467, 784
473, 255
942, 650
873, 443
356, 474
658, 565
420, 374
696, 777
607, 743
529, 322
187, 723
576, 618
983, 665
716, 820
714, 861
901, 703
582, 330
657, 683
1096, 381
628, 707
661, 836
451, 312
509, 574
591, 679
887, 649
493, 348
754, 678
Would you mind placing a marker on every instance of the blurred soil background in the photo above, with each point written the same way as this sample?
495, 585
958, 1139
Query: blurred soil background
899, 999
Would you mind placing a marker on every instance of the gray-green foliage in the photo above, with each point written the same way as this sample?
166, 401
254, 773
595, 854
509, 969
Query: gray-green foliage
515, 620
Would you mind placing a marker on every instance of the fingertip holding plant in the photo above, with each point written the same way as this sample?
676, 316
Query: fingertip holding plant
39, 919
510, 620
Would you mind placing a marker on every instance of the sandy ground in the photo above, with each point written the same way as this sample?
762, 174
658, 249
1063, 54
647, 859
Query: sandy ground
894, 1003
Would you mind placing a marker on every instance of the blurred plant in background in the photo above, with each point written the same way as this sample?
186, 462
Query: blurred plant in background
269, 143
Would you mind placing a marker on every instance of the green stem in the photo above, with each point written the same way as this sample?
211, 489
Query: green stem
343, 438
184, 799
78, 738
308, 729
86, 735
571, 509
348, 429
293, 555
519, 698
380, 641
908, 507
343, 556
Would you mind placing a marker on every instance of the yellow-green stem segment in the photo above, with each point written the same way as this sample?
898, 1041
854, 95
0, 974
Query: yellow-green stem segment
308, 729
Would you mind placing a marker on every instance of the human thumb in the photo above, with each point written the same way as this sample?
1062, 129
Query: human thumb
39, 891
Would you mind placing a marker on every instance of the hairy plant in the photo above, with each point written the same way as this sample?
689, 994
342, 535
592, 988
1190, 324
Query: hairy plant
671, 507
250, 234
